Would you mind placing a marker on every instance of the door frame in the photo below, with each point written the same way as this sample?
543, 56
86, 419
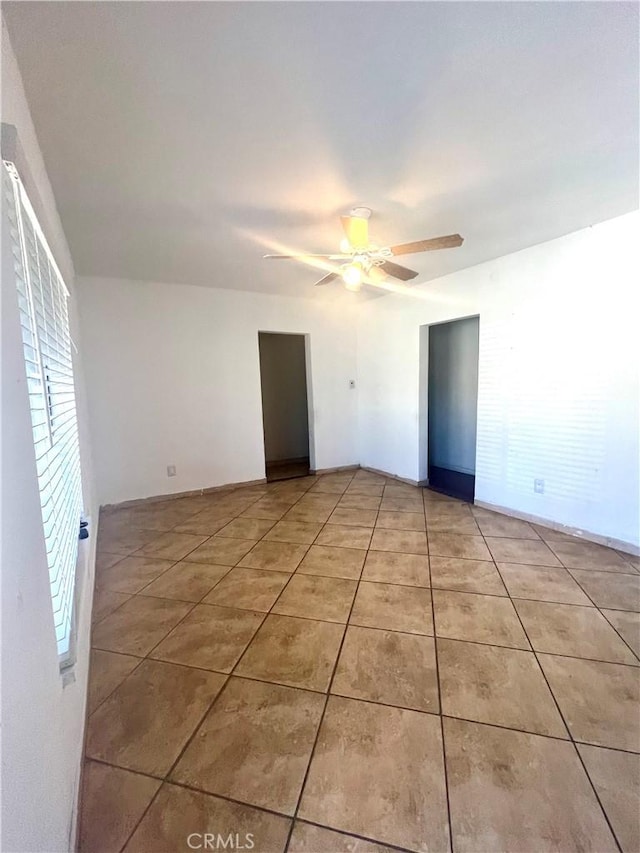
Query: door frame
310, 408
423, 393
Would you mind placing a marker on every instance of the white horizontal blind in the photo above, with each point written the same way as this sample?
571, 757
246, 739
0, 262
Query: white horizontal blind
42, 301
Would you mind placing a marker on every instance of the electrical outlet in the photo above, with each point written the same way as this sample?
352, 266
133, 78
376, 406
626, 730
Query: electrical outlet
171, 470
538, 487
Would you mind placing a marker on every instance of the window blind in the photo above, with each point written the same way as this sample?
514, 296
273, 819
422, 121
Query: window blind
44, 320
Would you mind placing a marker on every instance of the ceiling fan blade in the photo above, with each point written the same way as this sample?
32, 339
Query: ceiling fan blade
329, 277
309, 255
357, 230
395, 270
451, 241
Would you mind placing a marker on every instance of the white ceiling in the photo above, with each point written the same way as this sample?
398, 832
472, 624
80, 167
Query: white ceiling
185, 139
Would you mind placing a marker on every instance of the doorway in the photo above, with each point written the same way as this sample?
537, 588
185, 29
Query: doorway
285, 413
453, 406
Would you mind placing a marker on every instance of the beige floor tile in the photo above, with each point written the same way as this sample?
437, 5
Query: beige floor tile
373, 490
616, 591
122, 540
551, 535
616, 777
389, 567
138, 625
307, 838
455, 545
131, 574
400, 541
319, 501
317, 597
274, 556
204, 524
458, 526
431, 495
354, 517
294, 652
248, 589
393, 607
210, 637
246, 528
569, 629
179, 814
587, 555
104, 561
254, 745
541, 583
390, 520
105, 601
388, 667
308, 512
632, 559
533, 552
332, 562
627, 624
329, 488
494, 524
401, 505
148, 719
106, 671
171, 546
397, 489
478, 618
345, 536
187, 581
301, 532
599, 701
399, 752
449, 509
355, 500
221, 551
154, 517
267, 508
454, 573
435, 510
113, 801
495, 685
511, 791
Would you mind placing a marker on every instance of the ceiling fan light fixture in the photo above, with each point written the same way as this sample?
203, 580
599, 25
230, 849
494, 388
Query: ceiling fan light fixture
352, 276
345, 246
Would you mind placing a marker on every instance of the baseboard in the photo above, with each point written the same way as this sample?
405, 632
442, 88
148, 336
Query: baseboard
319, 471
391, 476
596, 538
175, 495
298, 461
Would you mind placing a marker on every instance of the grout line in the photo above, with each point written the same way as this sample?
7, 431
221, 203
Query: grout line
564, 722
324, 709
186, 786
196, 727
442, 736
632, 650
328, 693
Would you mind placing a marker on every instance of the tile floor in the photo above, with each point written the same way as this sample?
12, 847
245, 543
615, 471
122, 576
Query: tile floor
348, 663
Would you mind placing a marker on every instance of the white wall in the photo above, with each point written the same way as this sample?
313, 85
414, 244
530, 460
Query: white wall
42, 720
174, 379
558, 385
283, 381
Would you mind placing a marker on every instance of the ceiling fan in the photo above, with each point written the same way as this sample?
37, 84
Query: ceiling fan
360, 261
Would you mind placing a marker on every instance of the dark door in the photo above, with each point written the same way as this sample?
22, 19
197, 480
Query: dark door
285, 416
452, 406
